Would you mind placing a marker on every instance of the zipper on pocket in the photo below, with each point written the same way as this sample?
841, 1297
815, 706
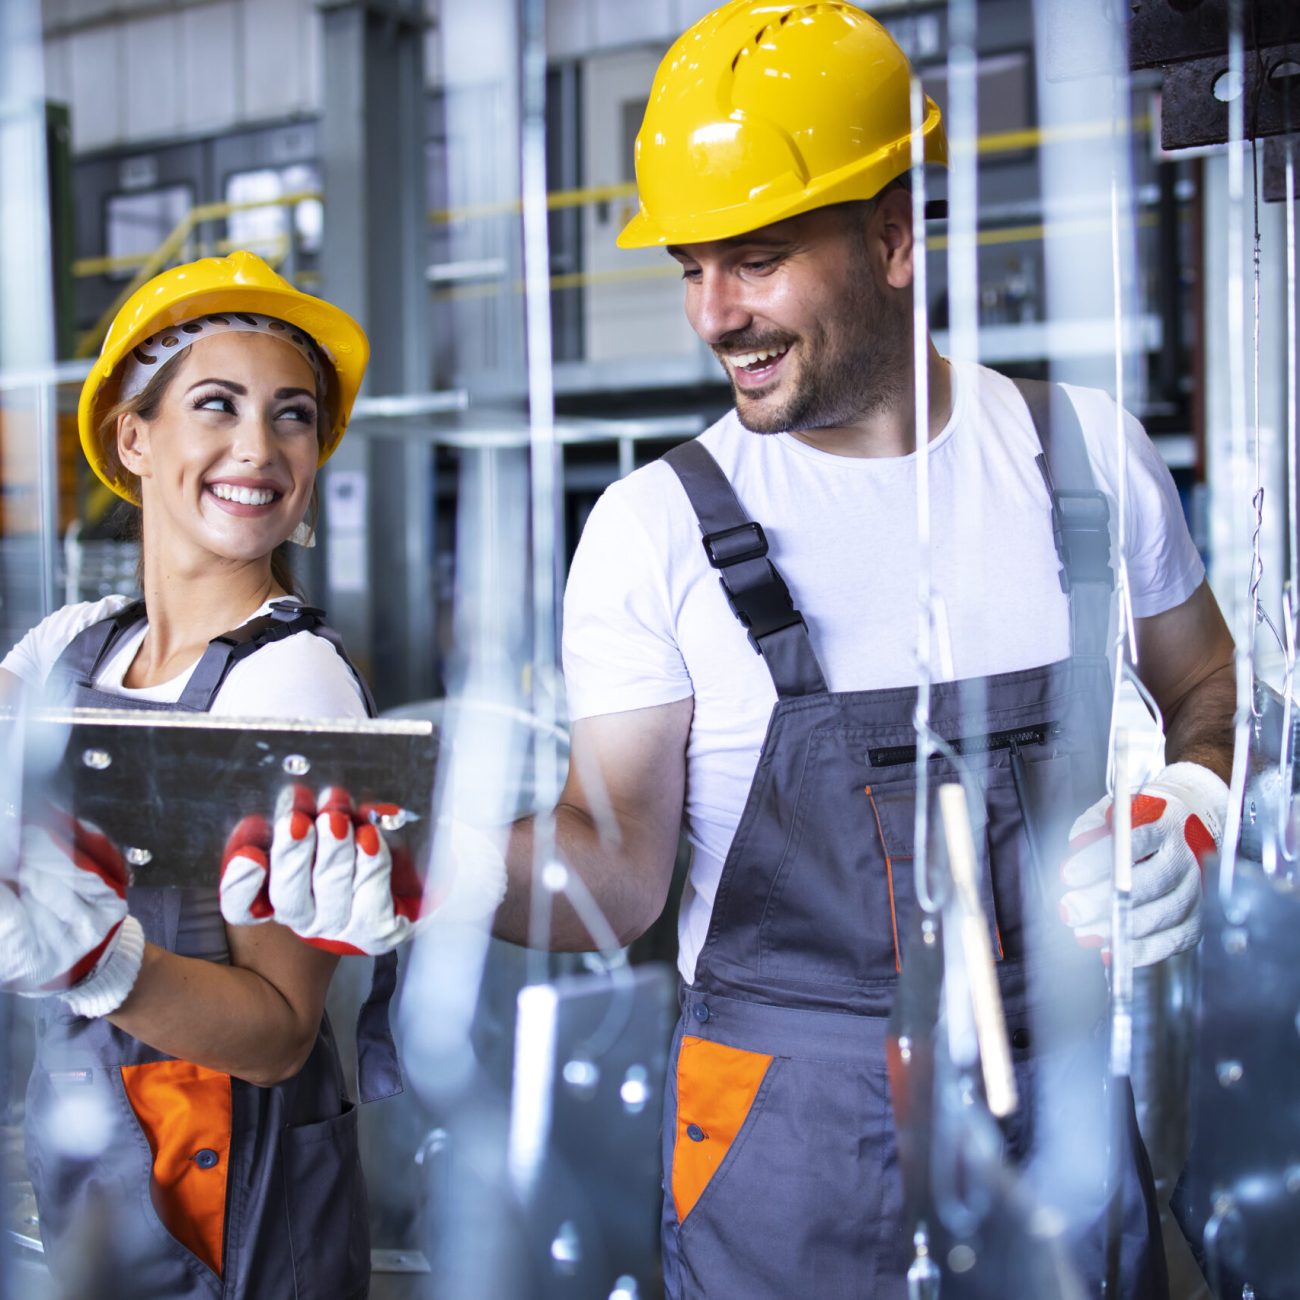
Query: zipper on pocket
1017, 738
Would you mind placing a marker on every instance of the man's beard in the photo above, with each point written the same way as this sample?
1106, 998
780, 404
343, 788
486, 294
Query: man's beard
853, 366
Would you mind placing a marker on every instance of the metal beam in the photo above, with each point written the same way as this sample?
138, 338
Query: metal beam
378, 564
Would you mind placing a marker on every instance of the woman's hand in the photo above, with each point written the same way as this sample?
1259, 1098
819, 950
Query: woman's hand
325, 871
64, 926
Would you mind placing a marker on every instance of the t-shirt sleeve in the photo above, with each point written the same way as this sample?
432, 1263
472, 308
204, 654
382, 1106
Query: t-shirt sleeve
620, 650
34, 657
1164, 566
302, 676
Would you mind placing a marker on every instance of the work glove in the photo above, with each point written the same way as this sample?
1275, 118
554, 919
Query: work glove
64, 926
1177, 820
325, 871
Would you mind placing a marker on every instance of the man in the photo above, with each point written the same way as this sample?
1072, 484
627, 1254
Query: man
769, 167
766, 167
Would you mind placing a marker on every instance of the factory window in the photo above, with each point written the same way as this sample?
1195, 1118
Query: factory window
264, 230
135, 224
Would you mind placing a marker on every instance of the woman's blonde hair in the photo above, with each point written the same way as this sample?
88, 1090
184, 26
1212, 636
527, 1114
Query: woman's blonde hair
145, 404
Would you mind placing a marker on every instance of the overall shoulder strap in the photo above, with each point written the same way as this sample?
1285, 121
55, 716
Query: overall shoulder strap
89, 650
286, 619
379, 1072
737, 547
1080, 517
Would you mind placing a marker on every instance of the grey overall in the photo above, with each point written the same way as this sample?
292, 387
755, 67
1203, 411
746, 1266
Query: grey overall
295, 1219
781, 1168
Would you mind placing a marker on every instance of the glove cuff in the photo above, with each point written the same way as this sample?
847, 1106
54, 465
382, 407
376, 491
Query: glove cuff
107, 986
477, 883
1203, 791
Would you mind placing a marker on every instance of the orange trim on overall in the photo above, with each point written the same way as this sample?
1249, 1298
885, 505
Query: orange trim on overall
184, 1109
716, 1086
889, 875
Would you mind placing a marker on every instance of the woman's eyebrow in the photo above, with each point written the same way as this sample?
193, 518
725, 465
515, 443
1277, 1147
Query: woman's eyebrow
282, 393
221, 383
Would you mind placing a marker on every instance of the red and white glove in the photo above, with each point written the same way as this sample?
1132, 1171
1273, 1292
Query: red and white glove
325, 871
1177, 821
64, 926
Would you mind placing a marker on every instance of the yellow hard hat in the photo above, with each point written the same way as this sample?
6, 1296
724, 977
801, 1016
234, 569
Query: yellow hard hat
764, 110
241, 282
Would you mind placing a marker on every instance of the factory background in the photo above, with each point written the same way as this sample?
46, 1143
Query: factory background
372, 151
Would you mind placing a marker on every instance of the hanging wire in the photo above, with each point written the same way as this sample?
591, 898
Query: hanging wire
1290, 613
544, 466
1257, 500
1244, 623
924, 576
1293, 526
1286, 745
1125, 647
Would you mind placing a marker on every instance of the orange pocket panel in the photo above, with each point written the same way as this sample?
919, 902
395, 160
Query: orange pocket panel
716, 1086
184, 1110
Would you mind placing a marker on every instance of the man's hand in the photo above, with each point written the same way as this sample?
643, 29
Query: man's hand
1177, 820
64, 926
325, 871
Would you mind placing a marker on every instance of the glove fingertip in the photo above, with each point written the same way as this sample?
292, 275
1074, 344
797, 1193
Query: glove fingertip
335, 799
408, 906
251, 835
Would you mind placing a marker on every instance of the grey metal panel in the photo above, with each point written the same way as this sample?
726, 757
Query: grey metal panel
480, 50
83, 9
273, 57
568, 28
58, 75
97, 90
691, 11
616, 22
151, 57
210, 70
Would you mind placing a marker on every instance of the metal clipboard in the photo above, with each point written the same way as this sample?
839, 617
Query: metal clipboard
168, 788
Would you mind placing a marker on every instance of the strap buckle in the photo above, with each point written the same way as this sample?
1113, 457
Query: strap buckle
764, 608
730, 546
1081, 530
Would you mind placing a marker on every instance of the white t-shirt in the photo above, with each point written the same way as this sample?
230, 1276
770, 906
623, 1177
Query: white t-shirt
299, 677
646, 622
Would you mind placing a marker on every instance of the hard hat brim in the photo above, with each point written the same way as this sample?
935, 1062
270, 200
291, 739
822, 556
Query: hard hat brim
863, 179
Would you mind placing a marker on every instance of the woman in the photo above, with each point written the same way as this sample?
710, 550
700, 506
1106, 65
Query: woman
224, 1158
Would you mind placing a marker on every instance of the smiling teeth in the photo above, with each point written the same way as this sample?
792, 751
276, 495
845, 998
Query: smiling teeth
244, 496
745, 359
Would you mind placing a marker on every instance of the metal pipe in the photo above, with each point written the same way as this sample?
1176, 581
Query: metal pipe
1243, 623
921, 401
544, 464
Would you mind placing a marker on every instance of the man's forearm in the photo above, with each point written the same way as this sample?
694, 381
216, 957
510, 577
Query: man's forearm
599, 876
1200, 731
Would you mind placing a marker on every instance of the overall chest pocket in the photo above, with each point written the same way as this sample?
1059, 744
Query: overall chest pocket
843, 906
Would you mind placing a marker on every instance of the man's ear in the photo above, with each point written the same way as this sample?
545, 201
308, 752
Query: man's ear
133, 448
891, 230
